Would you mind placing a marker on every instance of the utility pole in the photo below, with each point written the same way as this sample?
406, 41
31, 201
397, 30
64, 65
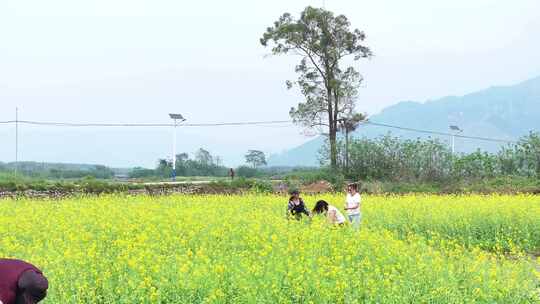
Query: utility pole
175, 118
174, 154
16, 139
455, 130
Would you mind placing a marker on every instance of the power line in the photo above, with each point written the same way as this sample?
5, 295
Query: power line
69, 124
248, 123
438, 133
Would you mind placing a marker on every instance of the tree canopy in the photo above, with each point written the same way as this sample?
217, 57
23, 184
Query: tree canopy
324, 41
256, 158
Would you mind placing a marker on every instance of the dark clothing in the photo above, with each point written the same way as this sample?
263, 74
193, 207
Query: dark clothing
21, 282
297, 210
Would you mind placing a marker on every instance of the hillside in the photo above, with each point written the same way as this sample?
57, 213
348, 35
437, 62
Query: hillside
504, 112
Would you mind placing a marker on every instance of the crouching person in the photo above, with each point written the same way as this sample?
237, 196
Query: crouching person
296, 207
333, 215
21, 283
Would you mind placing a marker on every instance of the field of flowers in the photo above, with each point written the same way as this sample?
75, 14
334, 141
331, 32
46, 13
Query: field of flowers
240, 249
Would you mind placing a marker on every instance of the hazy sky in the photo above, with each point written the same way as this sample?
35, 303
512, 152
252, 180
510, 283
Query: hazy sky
136, 61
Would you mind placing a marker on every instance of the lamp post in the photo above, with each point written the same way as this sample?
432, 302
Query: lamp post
455, 130
16, 140
175, 118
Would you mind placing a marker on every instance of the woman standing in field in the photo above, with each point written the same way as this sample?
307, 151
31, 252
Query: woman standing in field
332, 213
296, 206
352, 205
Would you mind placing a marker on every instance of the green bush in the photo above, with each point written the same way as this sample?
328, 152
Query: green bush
247, 172
337, 180
262, 187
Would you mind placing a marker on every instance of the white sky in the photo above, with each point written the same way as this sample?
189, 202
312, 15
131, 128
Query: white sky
136, 61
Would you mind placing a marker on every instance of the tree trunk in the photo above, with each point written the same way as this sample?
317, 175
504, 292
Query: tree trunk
537, 165
335, 119
332, 128
347, 150
333, 149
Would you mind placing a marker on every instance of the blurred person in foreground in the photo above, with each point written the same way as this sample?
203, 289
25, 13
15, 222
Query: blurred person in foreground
21, 283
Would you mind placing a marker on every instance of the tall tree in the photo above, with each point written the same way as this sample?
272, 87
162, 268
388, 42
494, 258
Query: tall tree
204, 157
256, 158
325, 42
528, 154
164, 167
181, 164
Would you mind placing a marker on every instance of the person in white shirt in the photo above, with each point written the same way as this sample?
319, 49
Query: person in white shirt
333, 215
352, 205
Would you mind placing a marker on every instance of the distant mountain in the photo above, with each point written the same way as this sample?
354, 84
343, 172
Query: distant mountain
498, 112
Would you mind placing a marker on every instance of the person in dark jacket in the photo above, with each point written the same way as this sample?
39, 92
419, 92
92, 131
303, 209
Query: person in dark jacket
296, 206
21, 283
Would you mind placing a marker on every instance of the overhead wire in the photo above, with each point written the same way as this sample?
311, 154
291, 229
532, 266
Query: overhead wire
271, 123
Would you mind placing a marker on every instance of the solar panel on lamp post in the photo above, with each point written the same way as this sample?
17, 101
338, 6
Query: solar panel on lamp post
175, 118
456, 129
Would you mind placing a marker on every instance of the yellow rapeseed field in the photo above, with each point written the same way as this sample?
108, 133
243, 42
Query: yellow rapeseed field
241, 249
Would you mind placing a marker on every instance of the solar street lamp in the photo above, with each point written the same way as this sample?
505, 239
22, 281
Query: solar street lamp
455, 130
176, 118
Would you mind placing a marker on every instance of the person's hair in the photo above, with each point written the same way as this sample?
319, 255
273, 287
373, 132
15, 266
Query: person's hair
320, 207
293, 193
32, 285
354, 186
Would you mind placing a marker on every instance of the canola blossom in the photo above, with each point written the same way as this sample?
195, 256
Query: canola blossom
241, 249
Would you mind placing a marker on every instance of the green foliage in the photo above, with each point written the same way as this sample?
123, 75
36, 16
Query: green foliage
337, 180
204, 164
139, 172
476, 165
324, 41
89, 184
523, 157
260, 186
296, 178
247, 172
305, 176
92, 185
256, 158
241, 184
389, 158
18, 182
58, 171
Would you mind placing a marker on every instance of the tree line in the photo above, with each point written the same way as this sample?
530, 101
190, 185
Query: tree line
204, 163
57, 171
393, 159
